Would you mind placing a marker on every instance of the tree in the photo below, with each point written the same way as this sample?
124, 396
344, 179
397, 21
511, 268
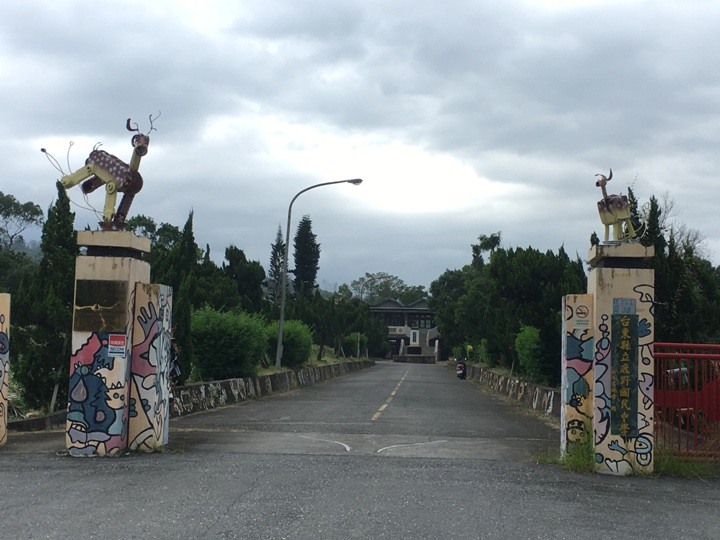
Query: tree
182, 323
43, 311
164, 238
14, 267
277, 255
529, 352
445, 292
374, 288
485, 243
518, 287
214, 288
307, 258
248, 277
15, 217
181, 277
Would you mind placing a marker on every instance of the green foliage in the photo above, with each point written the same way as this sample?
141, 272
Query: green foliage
297, 342
15, 217
182, 324
42, 311
374, 288
488, 304
528, 347
37, 354
248, 277
275, 271
350, 343
213, 287
485, 243
666, 463
687, 287
307, 258
580, 455
227, 345
445, 291
377, 346
14, 267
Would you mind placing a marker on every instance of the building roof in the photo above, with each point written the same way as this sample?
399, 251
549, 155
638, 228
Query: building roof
395, 305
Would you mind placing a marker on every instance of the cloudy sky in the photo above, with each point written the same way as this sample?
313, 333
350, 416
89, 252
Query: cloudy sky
462, 117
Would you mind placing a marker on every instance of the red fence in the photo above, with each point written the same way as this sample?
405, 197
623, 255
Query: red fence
687, 399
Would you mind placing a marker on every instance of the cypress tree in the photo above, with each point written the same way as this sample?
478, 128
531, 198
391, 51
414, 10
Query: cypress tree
277, 254
182, 279
307, 258
44, 318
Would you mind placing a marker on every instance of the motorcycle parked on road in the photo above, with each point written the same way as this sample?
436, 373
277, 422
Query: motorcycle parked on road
461, 370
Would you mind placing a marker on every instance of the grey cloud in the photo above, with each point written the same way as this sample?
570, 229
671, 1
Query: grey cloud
526, 96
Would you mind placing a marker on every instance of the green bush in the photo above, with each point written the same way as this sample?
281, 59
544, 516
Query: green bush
529, 350
377, 343
297, 342
226, 345
32, 350
350, 344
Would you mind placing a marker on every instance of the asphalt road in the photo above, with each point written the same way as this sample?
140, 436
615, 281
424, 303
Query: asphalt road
396, 451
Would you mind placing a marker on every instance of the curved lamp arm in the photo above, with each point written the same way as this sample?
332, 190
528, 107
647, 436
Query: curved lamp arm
283, 290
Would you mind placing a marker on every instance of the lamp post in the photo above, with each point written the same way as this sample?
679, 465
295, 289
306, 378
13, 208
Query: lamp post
283, 291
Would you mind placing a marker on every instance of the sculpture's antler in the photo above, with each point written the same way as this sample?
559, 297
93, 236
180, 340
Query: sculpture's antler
603, 179
129, 128
152, 120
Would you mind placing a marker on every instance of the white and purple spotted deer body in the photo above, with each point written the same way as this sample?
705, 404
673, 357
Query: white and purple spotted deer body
104, 168
614, 210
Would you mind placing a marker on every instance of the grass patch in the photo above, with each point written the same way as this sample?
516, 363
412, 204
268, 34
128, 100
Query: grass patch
312, 361
580, 456
668, 464
551, 455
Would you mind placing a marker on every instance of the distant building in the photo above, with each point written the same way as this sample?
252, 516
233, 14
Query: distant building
412, 333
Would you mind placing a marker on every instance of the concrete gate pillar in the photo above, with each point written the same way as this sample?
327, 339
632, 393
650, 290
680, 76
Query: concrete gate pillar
576, 389
4, 363
114, 325
623, 362
150, 368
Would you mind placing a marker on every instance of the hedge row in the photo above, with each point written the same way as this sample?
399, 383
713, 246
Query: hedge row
230, 345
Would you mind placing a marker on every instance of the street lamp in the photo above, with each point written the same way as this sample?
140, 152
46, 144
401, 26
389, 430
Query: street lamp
283, 291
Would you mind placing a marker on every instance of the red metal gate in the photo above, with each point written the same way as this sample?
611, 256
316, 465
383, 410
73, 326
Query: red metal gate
687, 399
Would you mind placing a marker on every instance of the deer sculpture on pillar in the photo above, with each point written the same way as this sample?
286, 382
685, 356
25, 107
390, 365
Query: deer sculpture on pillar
614, 210
103, 168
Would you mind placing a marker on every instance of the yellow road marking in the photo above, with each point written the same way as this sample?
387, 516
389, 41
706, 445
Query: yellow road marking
390, 397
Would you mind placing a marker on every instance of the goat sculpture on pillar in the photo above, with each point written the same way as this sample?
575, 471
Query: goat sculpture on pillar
103, 168
614, 210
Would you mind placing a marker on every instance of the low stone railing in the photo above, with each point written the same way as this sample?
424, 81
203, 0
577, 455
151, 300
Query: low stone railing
204, 396
535, 396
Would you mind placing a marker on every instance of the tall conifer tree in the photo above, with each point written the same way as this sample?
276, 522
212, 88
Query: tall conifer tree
307, 257
277, 254
44, 315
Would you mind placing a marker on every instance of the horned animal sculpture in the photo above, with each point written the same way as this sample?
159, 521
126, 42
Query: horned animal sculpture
103, 168
614, 210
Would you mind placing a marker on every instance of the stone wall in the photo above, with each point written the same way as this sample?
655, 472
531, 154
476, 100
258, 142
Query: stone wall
203, 396
534, 396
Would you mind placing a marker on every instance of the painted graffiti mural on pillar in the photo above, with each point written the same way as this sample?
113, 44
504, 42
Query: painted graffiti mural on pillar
619, 449
577, 370
150, 371
4, 363
98, 396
